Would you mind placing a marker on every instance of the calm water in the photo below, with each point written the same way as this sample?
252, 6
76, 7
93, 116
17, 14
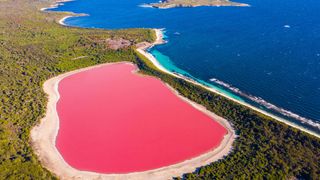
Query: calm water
121, 130
269, 50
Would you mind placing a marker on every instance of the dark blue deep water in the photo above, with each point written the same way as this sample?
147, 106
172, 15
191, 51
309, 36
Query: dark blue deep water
270, 50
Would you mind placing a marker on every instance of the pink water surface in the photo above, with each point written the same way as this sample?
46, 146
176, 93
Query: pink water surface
115, 121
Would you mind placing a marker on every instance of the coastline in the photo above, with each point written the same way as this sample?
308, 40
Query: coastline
43, 138
58, 166
167, 4
193, 6
69, 14
159, 40
55, 5
61, 21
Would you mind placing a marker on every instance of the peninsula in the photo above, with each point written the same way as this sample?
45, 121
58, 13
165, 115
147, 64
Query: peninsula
164, 4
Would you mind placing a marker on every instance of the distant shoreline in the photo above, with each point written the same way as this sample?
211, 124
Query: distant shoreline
56, 4
70, 14
166, 4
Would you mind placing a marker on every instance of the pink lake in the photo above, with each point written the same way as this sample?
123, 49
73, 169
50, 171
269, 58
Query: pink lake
115, 121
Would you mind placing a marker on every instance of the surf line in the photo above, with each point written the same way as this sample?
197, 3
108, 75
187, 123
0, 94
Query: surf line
266, 104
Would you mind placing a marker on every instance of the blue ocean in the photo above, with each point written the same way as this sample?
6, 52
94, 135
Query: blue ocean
267, 54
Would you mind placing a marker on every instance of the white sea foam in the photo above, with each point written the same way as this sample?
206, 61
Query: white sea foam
145, 6
268, 105
55, 5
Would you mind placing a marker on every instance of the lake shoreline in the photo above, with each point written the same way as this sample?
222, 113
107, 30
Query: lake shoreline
44, 138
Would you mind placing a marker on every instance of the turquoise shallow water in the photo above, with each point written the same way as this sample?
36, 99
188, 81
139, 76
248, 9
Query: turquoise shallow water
267, 54
166, 62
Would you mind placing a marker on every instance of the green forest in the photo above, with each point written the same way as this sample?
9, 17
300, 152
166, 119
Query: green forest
34, 48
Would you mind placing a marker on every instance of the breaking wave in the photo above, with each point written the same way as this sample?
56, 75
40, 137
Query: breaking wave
145, 6
268, 105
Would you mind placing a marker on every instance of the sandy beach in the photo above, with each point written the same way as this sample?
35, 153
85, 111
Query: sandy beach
61, 21
44, 137
70, 14
143, 49
56, 4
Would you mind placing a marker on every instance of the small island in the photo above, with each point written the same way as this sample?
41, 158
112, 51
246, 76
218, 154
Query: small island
164, 4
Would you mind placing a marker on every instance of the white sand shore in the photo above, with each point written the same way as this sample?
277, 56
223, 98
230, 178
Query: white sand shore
56, 4
61, 21
44, 135
70, 14
143, 50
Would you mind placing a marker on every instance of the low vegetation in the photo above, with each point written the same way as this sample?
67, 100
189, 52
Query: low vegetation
33, 48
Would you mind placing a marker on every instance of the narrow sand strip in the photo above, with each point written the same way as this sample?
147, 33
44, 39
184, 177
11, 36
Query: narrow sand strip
61, 21
58, 3
143, 50
55, 5
44, 137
